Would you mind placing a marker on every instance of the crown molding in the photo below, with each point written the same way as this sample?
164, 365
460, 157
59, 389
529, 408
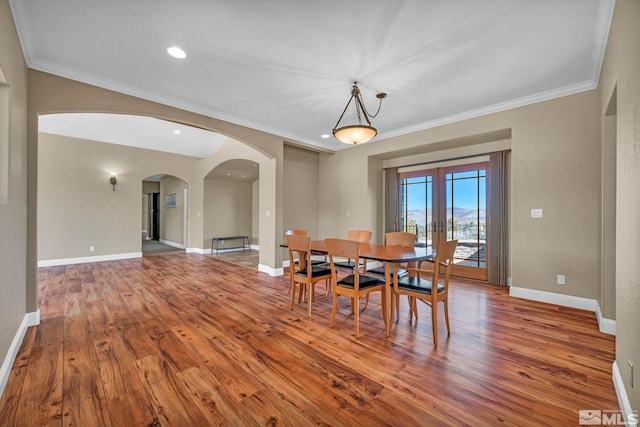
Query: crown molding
22, 22
601, 37
495, 108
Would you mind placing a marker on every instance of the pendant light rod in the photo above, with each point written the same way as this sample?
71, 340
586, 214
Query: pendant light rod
360, 133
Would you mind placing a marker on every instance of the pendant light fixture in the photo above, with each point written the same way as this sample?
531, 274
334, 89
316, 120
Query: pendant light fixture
359, 133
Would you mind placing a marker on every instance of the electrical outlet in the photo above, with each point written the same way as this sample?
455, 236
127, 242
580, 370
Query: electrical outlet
630, 374
222, 242
561, 279
92, 248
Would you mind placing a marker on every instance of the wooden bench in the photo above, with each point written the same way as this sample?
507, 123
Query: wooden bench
217, 240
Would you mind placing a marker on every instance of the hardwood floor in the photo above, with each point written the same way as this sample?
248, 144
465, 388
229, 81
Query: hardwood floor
188, 340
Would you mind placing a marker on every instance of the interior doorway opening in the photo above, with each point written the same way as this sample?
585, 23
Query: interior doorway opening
164, 210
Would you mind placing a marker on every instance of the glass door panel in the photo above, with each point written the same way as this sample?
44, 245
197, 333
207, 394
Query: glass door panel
449, 203
417, 208
466, 218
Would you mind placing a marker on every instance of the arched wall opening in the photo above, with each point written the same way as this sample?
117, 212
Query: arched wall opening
231, 203
53, 94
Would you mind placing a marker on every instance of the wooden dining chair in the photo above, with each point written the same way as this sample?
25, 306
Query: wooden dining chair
361, 236
354, 285
303, 275
428, 286
396, 238
301, 232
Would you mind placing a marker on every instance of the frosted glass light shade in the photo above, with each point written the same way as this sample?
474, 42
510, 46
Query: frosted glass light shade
355, 134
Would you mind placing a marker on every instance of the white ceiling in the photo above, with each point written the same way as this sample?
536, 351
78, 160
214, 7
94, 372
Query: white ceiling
286, 67
134, 131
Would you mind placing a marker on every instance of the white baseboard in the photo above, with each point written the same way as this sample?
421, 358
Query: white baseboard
86, 259
197, 251
270, 271
29, 319
607, 326
172, 244
630, 417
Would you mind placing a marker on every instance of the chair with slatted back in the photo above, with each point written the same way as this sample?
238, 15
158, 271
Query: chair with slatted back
419, 285
361, 236
395, 238
303, 275
354, 285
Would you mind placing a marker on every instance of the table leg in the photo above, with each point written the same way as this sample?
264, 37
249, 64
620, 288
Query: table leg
386, 298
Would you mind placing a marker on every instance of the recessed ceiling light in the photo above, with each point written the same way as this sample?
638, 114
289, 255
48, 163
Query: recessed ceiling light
177, 131
244, 176
176, 52
325, 136
228, 173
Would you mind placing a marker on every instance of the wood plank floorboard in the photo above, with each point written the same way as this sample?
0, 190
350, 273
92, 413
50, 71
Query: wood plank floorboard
190, 340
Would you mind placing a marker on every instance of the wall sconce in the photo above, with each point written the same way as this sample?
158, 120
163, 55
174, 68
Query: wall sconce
113, 181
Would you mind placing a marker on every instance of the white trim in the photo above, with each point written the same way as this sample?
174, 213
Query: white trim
33, 318
86, 259
172, 244
29, 319
270, 271
495, 108
196, 251
606, 326
601, 37
621, 392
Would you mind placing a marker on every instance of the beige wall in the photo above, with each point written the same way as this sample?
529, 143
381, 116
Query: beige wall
13, 227
621, 72
76, 205
150, 187
172, 220
300, 188
255, 212
227, 210
555, 166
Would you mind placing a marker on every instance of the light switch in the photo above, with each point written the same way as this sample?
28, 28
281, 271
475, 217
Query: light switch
536, 213
268, 214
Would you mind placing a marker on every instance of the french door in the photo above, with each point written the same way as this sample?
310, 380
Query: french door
449, 203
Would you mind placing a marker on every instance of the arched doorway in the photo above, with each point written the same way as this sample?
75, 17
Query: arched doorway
230, 209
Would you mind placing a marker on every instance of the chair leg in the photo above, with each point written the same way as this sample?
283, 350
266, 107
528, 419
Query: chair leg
446, 316
334, 308
396, 299
310, 295
366, 303
357, 318
434, 322
293, 295
385, 315
393, 303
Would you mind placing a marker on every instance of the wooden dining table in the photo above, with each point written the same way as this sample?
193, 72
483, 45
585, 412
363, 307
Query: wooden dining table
388, 255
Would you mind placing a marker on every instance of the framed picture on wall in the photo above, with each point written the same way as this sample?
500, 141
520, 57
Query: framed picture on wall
171, 200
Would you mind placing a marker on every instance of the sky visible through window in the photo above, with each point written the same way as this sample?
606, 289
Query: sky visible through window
465, 191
